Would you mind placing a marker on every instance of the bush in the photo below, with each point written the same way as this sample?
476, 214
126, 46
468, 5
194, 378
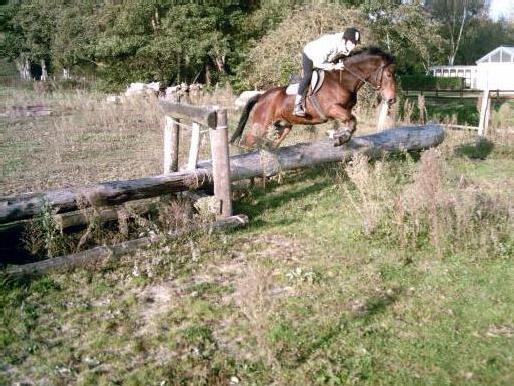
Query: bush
278, 55
424, 82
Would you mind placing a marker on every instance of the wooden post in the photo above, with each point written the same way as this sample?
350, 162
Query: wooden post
382, 116
171, 142
484, 113
195, 146
44, 72
221, 164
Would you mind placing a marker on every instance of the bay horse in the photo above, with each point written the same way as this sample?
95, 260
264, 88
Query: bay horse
336, 99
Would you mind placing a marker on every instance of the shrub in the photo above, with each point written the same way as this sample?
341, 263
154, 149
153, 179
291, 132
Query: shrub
430, 210
43, 236
424, 82
278, 55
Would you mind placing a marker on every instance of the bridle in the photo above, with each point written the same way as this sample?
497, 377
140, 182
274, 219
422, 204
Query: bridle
377, 75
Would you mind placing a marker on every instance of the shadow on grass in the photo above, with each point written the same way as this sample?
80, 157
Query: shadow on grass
373, 307
478, 150
264, 198
378, 304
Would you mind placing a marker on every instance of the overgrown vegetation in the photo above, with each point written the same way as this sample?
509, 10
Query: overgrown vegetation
422, 82
450, 216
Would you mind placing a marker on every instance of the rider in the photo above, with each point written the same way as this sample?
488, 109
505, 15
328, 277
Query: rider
322, 53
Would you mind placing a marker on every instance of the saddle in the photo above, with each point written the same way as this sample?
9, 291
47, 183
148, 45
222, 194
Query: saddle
316, 82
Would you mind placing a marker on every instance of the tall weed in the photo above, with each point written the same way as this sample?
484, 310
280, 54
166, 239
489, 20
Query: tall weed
372, 195
431, 210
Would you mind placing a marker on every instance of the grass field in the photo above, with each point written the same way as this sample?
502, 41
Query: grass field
398, 272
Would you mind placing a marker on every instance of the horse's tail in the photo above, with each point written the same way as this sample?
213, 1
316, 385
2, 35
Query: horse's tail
244, 117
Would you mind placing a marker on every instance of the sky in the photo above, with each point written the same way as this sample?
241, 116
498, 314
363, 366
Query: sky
501, 8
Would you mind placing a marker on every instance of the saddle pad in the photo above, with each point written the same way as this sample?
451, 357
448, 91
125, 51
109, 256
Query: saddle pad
316, 82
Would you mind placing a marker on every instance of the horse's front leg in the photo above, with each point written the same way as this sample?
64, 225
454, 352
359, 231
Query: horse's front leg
348, 119
283, 131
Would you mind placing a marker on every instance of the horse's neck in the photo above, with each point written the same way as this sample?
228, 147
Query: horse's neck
371, 62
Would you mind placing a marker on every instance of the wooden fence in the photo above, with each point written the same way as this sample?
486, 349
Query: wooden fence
67, 204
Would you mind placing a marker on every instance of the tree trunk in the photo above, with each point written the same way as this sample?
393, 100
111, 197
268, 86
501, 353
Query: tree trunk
23, 66
44, 72
207, 74
220, 63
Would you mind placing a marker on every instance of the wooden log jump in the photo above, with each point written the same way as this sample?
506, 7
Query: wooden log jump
252, 164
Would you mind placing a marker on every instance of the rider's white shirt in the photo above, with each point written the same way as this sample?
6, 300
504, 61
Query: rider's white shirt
325, 50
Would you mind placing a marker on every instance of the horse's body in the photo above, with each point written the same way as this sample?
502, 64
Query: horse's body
336, 97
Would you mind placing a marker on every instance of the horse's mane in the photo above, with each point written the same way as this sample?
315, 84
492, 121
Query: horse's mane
375, 51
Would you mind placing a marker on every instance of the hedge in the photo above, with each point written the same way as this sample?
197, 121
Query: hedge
424, 82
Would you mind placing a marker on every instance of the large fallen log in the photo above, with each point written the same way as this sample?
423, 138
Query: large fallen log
303, 155
252, 164
104, 253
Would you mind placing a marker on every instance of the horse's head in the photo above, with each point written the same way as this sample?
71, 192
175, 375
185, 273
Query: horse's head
377, 68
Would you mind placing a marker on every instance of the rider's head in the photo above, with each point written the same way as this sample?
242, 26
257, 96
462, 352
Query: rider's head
352, 36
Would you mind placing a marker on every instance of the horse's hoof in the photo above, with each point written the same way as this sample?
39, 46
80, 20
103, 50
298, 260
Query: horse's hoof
342, 137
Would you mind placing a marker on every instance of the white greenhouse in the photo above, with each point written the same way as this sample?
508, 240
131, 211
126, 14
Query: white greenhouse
494, 71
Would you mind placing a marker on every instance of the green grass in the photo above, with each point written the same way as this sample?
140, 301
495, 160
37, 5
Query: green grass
460, 111
463, 111
301, 296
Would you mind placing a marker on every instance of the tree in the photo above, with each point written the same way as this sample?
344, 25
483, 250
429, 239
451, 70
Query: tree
482, 36
76, 34
275, 57
407, 31
455, 16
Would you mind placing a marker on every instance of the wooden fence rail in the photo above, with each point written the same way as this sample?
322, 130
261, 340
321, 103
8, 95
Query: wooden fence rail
252, 164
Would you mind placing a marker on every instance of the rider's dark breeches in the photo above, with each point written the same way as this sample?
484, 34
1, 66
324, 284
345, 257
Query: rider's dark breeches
307, 67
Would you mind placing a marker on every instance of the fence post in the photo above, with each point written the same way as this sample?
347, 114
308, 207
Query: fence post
195, 146
171, 142
484, 113
382, 116
221, 163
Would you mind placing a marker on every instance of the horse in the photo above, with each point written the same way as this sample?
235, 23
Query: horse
335, 99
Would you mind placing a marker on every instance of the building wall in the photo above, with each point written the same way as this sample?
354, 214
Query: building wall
495, 76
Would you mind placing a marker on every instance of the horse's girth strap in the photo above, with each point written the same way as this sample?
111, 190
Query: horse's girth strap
317, 107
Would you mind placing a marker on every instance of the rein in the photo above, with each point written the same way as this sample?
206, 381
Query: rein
362, 79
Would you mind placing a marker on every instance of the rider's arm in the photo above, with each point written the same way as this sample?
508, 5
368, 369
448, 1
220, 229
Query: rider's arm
324, 65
